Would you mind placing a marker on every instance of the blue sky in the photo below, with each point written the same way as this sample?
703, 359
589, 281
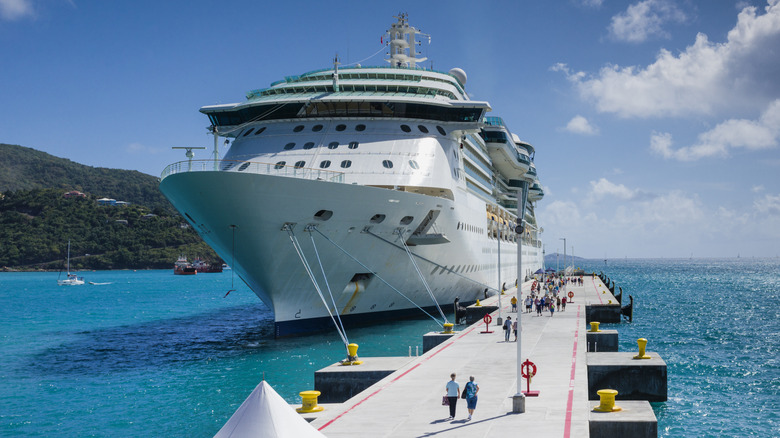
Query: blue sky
656, 122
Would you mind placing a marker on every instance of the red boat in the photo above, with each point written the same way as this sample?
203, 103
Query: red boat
183, 267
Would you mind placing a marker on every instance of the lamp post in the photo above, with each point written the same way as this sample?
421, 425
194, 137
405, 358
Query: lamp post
564, 252
518, 400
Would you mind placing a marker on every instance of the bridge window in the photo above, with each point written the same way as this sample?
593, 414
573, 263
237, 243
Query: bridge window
387, 164
289, 146
299, 164
346, 163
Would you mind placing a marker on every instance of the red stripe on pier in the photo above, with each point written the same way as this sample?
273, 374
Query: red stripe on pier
570, 401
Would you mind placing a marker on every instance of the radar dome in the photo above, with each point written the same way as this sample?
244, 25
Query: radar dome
460, 75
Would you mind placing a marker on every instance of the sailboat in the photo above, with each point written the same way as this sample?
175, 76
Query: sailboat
70, 279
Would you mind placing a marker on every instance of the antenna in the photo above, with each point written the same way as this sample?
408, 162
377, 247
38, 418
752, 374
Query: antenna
189, 154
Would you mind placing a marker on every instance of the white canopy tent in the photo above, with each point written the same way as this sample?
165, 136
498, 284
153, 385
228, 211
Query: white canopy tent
265, 414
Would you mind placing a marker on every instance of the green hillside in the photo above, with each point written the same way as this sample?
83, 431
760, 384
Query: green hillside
37, 220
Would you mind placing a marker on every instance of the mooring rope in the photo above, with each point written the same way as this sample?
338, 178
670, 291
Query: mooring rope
378, 276
416, 268
306, 266
434, 263
327, 284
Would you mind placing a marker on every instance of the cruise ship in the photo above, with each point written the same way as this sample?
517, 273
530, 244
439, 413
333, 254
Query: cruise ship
357, 194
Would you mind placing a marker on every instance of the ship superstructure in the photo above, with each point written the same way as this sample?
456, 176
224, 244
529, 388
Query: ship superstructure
365, 192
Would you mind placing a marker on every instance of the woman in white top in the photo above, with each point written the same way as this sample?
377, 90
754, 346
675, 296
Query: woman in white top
453, 391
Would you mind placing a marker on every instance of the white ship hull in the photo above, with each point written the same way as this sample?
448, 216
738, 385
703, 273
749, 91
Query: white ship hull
259, 206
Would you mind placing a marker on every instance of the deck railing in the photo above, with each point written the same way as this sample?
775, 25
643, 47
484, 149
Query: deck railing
254, 167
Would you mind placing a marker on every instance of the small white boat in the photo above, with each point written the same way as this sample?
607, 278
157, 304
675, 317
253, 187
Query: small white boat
70, 279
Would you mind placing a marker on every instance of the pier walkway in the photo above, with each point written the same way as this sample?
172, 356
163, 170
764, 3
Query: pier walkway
407, 403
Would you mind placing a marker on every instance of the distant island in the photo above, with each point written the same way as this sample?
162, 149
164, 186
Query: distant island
114, 219
551, 259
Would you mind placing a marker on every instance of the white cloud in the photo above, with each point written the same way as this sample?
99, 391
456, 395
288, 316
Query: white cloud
763, 133
592, 3
704, 78
644, 20
16, 9
580, 125
758, 188
604, 188
769, 205
138, 148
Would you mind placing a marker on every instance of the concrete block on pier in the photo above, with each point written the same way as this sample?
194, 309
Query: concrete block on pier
634, 379
338, 383
603, 341
432, 339
603, 313
636, 420
476, 313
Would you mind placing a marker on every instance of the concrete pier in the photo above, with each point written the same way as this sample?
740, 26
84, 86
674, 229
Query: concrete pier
602, 340
634, 379
408, 402
338, 383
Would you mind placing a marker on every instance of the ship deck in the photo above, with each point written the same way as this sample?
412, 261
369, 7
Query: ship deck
407, 403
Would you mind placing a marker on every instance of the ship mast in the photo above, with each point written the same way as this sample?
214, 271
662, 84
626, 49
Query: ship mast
403, 42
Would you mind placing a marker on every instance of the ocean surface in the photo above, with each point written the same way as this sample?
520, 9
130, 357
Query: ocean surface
153, 354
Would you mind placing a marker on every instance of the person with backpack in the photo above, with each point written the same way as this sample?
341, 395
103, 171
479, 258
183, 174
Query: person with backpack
471, 396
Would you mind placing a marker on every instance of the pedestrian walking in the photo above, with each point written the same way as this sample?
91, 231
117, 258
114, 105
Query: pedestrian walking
507, 328
514, 328
514, 304
552, 308
452, 391
471, 396
563, 304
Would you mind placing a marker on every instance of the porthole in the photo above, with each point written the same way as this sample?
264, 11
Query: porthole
406, 220
316, 128
422, 129
406, 128
248, 132
279, 164
441, 130
323, 215
353, 145
299, 164
413, 164
346, 163
244, 166
341, 127
360, 128
377, 218
325, 164
289, 146
228, 166
387, 164
333, 145
260, 130
308, 145
298, 128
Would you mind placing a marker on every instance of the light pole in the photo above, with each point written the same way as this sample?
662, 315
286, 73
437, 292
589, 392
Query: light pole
564, 252
518, 400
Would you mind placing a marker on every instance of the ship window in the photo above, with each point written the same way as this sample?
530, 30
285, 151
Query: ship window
289, 146
333, 145
387, 164
441, 130
260, 130
325, 164
299, 164
323, 215
406, 220
279, 164
317, 128
244, 166
360, 127
309, 145
353, 145
346, 163
249, 131
422, 129
228, 166
341, 127
406, 128
298, 128
413, 164
377, 218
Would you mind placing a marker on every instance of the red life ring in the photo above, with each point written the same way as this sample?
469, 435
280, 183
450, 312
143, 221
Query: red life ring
571, 294
487, 318
527, 368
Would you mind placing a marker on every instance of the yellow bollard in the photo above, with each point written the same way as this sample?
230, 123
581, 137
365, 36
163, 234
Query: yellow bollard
594, 326
447, 327
607, 401
609, 302
309, 402
352, 357
477, 304
642, 342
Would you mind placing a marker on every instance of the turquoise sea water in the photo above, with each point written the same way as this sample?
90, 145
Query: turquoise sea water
153, 354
